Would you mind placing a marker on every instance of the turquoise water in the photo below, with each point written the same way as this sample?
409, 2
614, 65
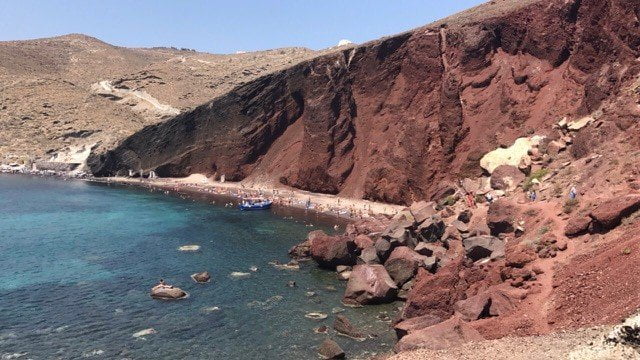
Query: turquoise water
78, 261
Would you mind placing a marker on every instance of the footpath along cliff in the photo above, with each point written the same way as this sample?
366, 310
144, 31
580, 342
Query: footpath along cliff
394, 119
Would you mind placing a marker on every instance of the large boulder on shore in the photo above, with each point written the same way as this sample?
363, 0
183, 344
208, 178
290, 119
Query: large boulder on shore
331, 251
501, 216
483, 247
609, 213
369, 284
446, 334
167, 292
435, 294
402, 264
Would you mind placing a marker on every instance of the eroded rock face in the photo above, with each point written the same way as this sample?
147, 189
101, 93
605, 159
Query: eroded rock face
609, 213
435, 294
369, 284
398, 104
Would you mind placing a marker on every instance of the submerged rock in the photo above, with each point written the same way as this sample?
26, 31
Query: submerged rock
316, 316
329, 349
189, 248
144, 332
201, 277
344, 327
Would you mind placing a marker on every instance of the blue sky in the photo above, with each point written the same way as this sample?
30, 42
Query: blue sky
221, 26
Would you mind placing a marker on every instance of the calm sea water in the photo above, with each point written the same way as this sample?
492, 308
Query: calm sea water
78, 260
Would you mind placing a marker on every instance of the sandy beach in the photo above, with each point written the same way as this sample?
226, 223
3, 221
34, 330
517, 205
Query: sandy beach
284, 196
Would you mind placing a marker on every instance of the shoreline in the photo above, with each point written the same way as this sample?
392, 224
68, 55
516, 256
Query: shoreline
333, 206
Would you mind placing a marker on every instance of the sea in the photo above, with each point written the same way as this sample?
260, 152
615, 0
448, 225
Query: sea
78, 260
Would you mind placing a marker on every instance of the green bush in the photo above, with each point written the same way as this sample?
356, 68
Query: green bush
537, 175
569, 206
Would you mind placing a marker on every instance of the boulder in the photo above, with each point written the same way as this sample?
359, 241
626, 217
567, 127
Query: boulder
397, 233
167, 292
465, 216
383, 249
431, 229
330, 350
407, 326
520, 256
577, 225
446, 334
470, 186
483, 247
431, 263
344, 327
368, 256
363, 241
609, 213
513, 155
428, 249
331, 251
506, 177
369, 284
495, 301
422, 210
501, 216
301, 251
343, 272
435, 294
402, 264
460, 226
201, 277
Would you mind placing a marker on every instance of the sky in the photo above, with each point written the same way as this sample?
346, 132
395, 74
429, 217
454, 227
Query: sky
221, 26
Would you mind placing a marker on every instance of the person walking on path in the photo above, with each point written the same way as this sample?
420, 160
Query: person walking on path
573, 193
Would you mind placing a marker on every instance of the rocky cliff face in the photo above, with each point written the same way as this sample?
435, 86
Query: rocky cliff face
392, 119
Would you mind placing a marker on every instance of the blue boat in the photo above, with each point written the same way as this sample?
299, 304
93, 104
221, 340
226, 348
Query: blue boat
255, 204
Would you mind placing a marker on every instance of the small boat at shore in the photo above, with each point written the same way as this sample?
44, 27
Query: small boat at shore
255, 204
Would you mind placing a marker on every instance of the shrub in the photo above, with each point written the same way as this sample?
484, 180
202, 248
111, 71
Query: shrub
449, 200
569, 206
537, 175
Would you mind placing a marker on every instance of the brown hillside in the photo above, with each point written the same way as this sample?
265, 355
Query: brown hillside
394, 119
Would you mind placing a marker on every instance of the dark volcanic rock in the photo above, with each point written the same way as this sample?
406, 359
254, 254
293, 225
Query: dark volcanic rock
483, 246
369, 284
501, 216
202, 277
402, 264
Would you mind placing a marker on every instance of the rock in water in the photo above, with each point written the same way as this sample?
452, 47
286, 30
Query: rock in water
331, 251
344, 327
144, 332
369, 284
167, 292
329, 349
201, 277
189, 248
